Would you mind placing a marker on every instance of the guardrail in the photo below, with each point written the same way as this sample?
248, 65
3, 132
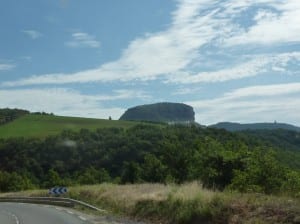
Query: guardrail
66, 202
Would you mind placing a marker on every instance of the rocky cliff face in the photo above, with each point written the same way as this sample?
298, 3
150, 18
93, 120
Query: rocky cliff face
161, 112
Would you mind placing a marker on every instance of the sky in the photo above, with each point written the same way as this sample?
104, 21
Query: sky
232, 60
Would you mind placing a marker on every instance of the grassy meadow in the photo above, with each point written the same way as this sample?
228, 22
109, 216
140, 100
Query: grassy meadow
33, 125
187, 203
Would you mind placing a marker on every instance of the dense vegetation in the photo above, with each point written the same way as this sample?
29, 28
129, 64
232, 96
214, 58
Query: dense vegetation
285, 142
7, 115
161, 112
147, 153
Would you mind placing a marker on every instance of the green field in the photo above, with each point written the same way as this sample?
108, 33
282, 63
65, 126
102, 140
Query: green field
33, 125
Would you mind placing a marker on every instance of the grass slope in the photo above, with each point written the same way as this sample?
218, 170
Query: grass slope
33, 125
183, 204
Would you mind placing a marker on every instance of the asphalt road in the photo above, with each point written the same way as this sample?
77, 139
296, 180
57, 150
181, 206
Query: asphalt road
17, 213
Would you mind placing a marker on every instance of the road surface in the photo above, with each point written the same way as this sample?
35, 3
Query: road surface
18, 213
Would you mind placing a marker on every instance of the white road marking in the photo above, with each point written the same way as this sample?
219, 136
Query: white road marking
82, 218
17, 221
57, 208
70, 212
16, 218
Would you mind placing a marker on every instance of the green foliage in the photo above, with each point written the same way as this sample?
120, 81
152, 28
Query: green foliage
53, 179
131, 173
93, 176
7, 115
14, 182
262, 173
291, 184
153, 169
147, 153
285, 142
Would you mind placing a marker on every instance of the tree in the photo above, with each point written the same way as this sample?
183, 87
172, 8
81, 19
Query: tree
263, 173
131, 173
153, 170
53, 179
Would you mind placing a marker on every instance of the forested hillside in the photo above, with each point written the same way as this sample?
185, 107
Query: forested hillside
161, 112
147, 153
230, 126
286, 142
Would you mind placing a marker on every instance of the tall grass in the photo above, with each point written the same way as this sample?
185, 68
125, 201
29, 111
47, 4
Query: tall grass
187, 203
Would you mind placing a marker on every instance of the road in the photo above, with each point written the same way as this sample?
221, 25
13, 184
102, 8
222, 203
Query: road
18, 213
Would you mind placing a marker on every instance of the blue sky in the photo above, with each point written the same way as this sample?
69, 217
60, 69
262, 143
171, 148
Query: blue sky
233, 60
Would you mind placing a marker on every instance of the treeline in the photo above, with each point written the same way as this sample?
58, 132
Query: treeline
147, 153
7, 115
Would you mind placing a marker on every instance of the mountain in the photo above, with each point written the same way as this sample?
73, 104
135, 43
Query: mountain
230, 126
161, 112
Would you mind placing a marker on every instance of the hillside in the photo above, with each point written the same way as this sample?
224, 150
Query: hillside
8, 115
34, 125
148, 153
230, 126
160, 112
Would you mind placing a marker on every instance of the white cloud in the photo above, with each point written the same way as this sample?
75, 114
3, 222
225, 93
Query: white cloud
265, 90
6, 66
254, 65
147, 57
271, 27
33, 34
252, 104
257, 64
195, 24
186, 91
67, 102
247, 69
80, 39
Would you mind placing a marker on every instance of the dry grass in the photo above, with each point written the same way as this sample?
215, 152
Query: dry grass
129, 195
187, 203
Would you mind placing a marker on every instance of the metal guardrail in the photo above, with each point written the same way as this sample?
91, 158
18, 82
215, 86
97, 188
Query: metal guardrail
67, 202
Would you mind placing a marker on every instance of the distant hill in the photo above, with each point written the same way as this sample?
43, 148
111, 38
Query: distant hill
39, 125
160, 112
229, 126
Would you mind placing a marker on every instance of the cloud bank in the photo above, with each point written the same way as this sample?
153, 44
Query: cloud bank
260, 103
67, 102
195, 24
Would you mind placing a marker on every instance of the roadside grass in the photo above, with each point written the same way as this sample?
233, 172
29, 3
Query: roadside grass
40, 126
187, 203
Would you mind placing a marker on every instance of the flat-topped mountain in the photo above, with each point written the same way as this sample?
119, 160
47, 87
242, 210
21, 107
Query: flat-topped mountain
230, 126
161, 112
